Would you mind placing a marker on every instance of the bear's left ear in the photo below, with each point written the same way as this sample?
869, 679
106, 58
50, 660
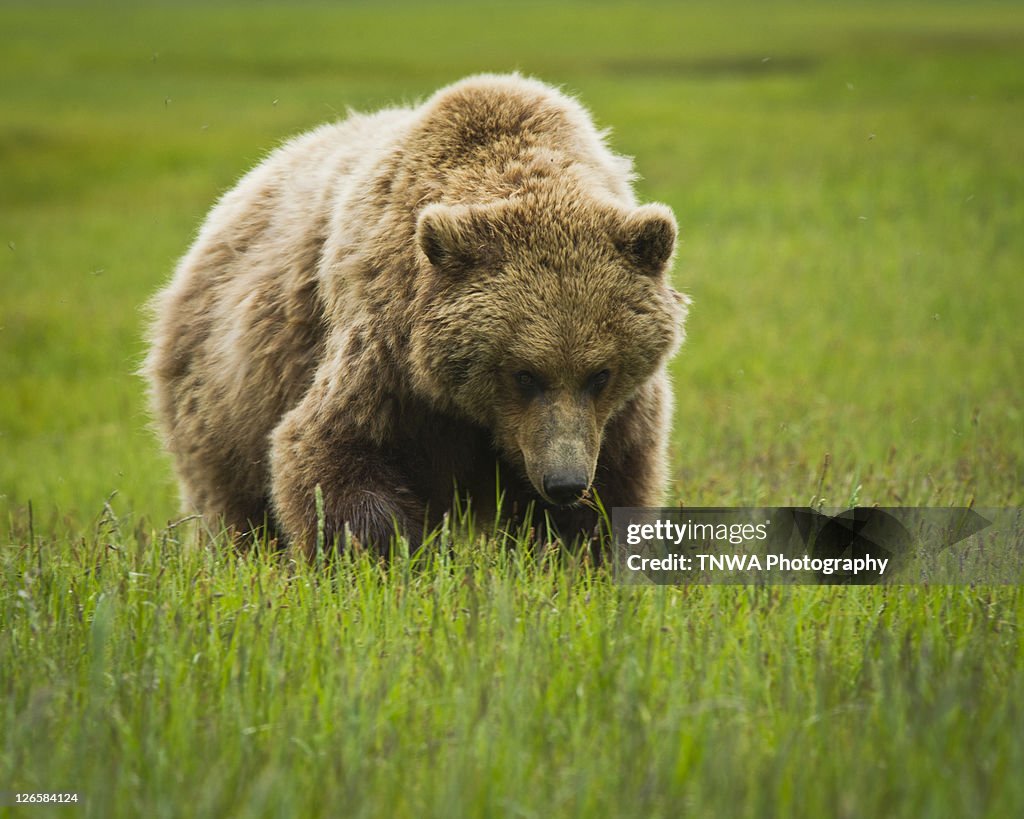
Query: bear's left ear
455, 238
648, 238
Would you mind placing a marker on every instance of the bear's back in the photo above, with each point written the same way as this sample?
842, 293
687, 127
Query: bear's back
481, 134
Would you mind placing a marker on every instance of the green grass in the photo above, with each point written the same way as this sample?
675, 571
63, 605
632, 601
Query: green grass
850, 191
166, 681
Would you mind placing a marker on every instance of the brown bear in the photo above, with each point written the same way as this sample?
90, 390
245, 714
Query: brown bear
460, 299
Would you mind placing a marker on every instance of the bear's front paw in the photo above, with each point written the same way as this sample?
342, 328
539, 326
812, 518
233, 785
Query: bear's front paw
362, 518
329, 487
372, 520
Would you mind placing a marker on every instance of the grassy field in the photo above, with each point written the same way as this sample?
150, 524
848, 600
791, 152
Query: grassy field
850, 189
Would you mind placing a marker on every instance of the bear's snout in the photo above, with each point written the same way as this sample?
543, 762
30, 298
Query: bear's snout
559, 437
565, 488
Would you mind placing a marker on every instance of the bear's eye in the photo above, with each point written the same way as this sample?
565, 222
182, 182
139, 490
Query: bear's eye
526, 381
598, 380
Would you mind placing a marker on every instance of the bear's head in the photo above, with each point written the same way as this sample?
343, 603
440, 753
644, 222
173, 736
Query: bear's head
540, 319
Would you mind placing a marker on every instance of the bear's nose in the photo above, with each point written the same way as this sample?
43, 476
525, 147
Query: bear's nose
564, 487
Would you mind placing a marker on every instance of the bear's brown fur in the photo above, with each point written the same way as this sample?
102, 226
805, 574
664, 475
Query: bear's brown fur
419, 302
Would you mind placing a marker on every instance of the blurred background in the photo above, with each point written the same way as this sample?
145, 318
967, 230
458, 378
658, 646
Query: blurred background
848, 181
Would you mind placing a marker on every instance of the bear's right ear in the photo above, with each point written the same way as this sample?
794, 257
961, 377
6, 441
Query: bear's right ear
454, 238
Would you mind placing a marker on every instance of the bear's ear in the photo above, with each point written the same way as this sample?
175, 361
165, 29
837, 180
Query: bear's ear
648, 238
454, 238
